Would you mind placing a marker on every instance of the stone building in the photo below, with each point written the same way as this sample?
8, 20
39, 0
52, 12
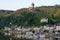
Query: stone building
33, 8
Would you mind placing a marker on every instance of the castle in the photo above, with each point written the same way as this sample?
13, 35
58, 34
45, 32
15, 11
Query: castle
32, 7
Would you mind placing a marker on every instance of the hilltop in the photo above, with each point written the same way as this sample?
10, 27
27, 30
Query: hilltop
53, 10
30, 16
5, 12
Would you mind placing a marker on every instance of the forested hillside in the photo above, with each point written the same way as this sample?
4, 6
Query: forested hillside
5, 12
24, 17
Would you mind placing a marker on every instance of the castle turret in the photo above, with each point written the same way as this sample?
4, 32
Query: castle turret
32, 7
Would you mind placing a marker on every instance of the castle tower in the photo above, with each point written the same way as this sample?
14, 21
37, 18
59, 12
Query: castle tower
32, 5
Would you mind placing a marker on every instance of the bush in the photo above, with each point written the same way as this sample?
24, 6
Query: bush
46, 30
47, 36
58, 31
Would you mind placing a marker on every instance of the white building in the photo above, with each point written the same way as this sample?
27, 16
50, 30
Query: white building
57, 27
7, 28
44, 20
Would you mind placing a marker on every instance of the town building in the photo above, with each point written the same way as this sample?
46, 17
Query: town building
44, 20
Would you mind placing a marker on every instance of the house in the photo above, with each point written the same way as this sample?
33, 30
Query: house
48, 28
57, 36
57, 28
44, 20
7, 28
13, 31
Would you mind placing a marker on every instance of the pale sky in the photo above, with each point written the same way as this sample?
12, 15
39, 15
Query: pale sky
17, 4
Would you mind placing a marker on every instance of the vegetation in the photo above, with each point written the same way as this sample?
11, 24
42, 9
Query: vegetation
58, 31
47, 36
46, 31
3, 30
27, 18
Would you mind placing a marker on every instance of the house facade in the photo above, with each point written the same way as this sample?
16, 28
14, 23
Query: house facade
44, 20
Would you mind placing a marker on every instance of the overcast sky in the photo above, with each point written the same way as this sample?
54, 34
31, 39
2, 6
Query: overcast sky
17, 4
